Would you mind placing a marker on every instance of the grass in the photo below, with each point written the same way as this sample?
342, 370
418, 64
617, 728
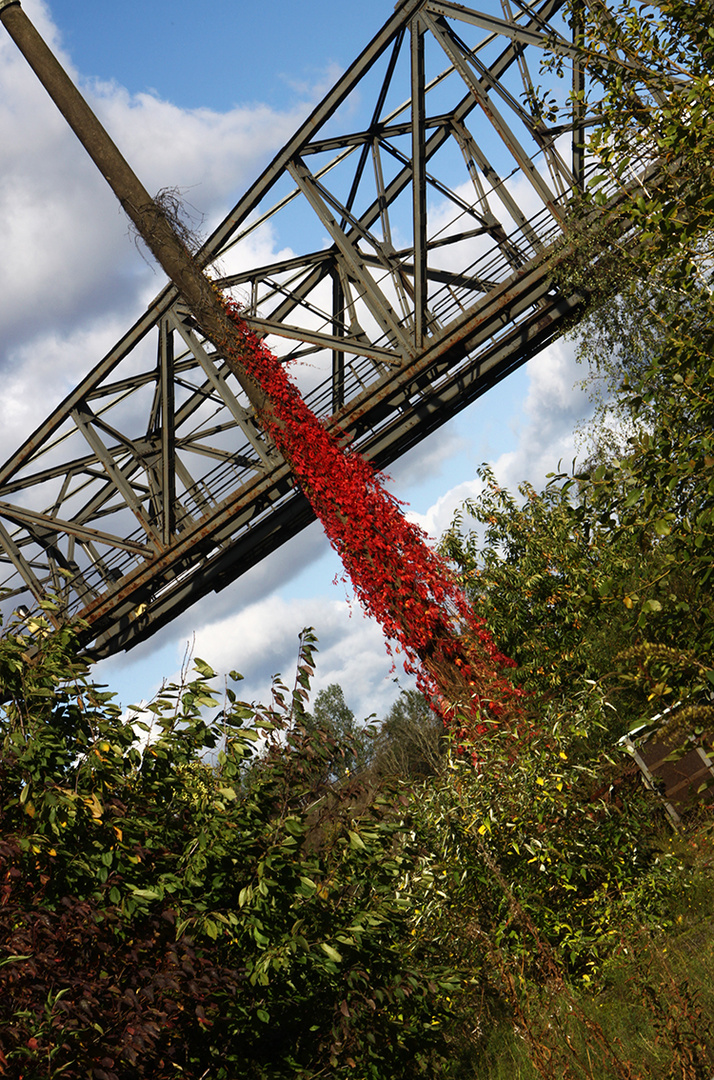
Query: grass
648, 1015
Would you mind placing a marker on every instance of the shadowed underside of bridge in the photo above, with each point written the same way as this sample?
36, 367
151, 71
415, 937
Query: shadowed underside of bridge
399, 253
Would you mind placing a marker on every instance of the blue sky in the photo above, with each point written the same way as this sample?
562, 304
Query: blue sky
216, 55
201, 97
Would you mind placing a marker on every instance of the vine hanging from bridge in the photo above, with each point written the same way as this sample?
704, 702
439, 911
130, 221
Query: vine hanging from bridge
397, 577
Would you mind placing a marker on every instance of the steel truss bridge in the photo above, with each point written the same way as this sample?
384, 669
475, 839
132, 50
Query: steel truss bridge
400, 252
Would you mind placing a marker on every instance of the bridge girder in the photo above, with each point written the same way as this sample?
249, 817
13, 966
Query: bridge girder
400, 252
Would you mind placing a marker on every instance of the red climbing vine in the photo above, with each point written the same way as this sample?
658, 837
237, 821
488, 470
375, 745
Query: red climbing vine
397, 577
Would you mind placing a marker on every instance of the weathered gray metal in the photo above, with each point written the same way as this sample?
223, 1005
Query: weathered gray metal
431, 201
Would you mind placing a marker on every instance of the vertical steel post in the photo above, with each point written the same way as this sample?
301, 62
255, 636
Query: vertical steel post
338, 357
419, 180
168, 432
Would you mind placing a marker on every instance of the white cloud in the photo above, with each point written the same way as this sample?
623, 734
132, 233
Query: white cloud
43, 369
262, 639
261, 581
429, 459
325, 79
209, 154
440, 515
544, 436
64, 245
553, 407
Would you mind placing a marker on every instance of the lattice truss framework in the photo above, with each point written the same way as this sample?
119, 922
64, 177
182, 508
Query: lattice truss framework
398, 252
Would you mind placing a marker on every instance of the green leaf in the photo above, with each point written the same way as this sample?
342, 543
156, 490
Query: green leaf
14, 959
204, 701
147, 894
332, 953
203, 668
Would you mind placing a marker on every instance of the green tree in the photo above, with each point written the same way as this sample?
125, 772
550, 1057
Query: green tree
332, 717
160, 917
547, 583
411, 740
